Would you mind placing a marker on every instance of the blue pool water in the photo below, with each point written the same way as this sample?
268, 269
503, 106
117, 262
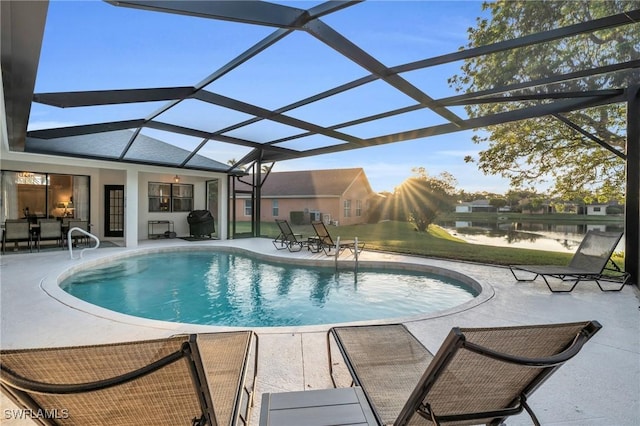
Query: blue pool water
220, 288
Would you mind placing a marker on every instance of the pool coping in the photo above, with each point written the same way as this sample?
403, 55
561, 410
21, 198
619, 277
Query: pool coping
296, 361
50, 285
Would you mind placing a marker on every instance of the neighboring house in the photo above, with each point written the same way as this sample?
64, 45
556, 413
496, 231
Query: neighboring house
529, 207
541, 209
567, 208
597, 209
475, 206
336, 196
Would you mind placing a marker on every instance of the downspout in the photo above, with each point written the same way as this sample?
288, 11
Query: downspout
632, 205
257, 202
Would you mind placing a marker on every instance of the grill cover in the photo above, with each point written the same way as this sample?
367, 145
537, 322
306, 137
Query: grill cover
201, 223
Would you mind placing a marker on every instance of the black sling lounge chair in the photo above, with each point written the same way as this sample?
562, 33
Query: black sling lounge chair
588, 264
326, 243
287, 239
479, 375
203, 379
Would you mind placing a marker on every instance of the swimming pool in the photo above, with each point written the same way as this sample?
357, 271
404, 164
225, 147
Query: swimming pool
216, 287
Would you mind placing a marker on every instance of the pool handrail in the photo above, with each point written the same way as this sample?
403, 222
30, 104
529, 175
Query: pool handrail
70, 242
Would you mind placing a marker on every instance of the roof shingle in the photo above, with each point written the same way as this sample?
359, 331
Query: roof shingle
317, 183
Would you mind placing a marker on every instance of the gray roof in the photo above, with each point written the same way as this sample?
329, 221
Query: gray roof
310, 183
111, 145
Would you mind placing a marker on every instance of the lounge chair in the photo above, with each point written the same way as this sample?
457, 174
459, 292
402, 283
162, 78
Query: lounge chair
479, 375
182, 380
287, 239
326, 243
588, 264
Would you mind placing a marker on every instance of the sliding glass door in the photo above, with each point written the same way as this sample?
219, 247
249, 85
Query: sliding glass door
33, 196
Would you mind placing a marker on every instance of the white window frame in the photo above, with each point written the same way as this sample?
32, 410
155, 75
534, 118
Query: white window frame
347, 208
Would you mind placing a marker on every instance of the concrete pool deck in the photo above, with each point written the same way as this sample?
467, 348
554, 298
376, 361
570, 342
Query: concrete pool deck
600, 386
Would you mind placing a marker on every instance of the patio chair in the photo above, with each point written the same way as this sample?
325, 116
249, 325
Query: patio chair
287, 239
16, 231
326, 243
48, 230
479, 375
588, 264
79, 237
203, 379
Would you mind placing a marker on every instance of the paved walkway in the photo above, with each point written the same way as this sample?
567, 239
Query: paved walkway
600, 386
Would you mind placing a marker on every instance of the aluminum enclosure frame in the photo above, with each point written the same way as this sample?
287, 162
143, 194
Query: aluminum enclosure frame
23, 29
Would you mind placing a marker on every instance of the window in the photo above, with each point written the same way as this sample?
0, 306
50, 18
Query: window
275, 209
347, 208
182, 197
596, 209
36, 196
358, 207
170, 197
248, 207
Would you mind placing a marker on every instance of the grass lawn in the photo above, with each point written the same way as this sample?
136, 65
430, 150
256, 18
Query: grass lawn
400, 237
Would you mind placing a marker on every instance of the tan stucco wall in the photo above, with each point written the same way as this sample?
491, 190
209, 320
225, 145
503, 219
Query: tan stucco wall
331, 205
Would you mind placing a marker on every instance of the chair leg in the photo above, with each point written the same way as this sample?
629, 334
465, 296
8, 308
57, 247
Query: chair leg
294, 246
523, 279
531, 413
575, 283
623, 282
277, 242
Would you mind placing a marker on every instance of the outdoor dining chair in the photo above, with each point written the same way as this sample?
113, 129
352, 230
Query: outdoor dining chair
79, 237
17, 231
49, 230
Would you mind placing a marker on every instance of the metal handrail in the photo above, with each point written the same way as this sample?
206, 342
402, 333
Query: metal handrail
337, 254
70, 243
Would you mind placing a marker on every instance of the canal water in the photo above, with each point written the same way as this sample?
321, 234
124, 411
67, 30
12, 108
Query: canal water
550, 236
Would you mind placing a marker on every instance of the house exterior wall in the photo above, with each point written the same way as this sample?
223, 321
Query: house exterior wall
597, 210
103, 173
180, 224
286, 205
333, 206
357, 191
43, 164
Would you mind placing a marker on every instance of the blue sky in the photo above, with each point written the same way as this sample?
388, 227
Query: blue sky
92, 45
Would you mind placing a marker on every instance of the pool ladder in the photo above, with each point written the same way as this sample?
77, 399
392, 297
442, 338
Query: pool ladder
70, 242
355, 253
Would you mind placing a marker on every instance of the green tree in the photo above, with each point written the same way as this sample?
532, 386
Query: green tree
498, 202
420, 198
529, 151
